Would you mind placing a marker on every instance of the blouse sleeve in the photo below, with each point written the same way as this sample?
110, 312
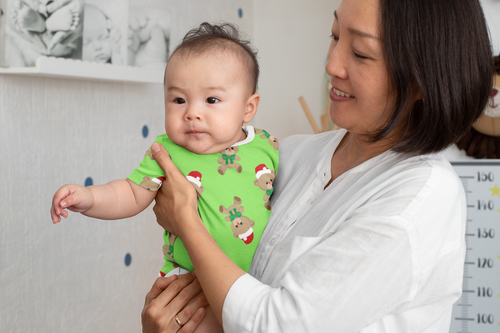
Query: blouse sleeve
346, 281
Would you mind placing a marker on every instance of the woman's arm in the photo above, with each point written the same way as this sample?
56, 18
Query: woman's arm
181, 218
368, 271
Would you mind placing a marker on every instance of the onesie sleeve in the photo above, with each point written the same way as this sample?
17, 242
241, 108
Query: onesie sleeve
149, 174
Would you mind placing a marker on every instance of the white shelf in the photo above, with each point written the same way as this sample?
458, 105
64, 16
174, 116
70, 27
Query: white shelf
77, 69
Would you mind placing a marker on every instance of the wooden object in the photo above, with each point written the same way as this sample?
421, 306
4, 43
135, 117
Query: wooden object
309, 114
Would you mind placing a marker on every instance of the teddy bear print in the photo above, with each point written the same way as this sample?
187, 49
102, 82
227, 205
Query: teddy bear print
265, 180
228, 160
241, 226
152, 184
168, 249
273, 141
194, 178
149, 153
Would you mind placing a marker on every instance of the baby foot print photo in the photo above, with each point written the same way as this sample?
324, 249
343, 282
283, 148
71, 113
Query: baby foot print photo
26, 18
65, 18
63, 22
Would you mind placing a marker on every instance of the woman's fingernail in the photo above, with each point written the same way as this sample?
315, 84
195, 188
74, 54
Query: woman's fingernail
63, 203
155, 147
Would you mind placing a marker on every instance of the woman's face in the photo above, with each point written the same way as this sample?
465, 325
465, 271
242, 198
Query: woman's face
356, 63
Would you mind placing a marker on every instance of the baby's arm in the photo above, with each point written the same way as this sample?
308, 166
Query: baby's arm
115, 200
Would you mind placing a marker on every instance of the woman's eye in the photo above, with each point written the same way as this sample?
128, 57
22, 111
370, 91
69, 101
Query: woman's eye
335, 38
359, 56
212, 100
179, 100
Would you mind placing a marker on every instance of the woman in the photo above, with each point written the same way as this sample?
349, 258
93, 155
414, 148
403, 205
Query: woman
367, 229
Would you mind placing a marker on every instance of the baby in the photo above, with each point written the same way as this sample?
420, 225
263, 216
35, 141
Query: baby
210, 92
101, 42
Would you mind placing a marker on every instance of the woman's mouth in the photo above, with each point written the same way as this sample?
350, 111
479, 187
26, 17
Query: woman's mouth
341, 93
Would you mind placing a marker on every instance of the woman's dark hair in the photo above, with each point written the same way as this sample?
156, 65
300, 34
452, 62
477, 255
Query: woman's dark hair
440, 49
224, 37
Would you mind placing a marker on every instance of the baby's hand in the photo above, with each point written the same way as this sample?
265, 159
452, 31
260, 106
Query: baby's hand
76, 198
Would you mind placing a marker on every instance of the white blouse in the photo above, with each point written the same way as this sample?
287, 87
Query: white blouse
380, 250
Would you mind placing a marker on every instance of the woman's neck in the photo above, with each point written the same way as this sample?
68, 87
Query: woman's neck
352, 151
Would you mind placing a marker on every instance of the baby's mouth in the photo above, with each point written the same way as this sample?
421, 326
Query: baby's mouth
341, 93
194, 132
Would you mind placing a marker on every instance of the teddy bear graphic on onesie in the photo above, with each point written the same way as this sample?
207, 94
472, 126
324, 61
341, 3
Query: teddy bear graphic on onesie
228, 160
241, 226
233, 188
265, 179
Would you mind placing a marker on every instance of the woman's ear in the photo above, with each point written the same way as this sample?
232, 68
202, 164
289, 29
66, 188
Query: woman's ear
251, 107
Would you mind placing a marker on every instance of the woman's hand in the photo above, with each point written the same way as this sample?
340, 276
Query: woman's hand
176, 211
176, 198
167, 301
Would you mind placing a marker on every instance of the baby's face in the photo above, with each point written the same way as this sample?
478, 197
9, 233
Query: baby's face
207, 100
96, 44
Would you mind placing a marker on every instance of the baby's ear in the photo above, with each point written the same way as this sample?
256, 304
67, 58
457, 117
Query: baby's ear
251, 107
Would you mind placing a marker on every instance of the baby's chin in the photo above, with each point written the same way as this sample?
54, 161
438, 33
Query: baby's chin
207, 150
202, 149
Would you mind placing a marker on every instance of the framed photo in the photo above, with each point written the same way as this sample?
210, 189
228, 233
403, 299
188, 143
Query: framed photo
35, 28
148, 37
105, 31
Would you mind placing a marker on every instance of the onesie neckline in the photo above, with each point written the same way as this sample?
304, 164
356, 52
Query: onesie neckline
250, 131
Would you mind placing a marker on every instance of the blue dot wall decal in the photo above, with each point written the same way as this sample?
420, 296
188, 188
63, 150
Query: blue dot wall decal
240, 13
88, 182
145, 131
128, 259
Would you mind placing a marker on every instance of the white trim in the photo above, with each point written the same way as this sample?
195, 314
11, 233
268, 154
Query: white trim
262, 172
250, 135
194, 180
157, 181
245, 235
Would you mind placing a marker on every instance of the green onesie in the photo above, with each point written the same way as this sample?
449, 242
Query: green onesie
233, 188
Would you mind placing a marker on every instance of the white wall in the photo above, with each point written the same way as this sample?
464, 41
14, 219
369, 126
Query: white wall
491, 10
72, 277
293, 39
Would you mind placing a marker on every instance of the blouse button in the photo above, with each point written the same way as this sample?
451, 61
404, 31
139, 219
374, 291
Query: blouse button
273, 240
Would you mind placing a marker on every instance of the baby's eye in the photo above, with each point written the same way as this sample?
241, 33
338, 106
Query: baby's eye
212, 100
179, 100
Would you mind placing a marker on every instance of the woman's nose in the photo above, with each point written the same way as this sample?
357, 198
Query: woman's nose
336, 64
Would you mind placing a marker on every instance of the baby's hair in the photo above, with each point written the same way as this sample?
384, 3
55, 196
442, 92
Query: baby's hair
224, 37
